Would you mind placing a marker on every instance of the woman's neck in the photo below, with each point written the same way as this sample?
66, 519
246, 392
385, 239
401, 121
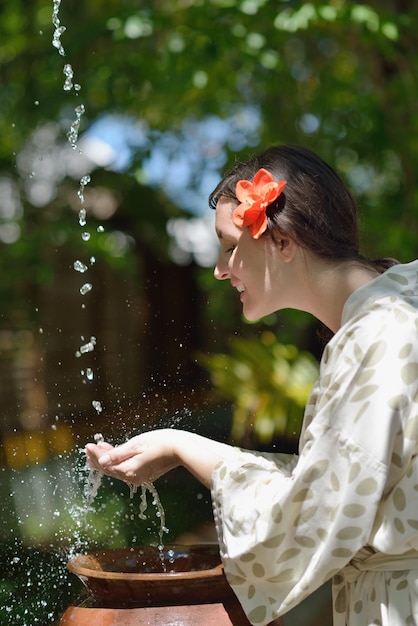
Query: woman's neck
329, 287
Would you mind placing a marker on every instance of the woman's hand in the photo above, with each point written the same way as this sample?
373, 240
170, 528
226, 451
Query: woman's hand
148, 456
143, 458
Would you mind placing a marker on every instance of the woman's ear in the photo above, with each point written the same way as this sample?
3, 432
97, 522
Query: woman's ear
287, 248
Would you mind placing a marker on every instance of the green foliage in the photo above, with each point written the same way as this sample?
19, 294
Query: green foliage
269, 384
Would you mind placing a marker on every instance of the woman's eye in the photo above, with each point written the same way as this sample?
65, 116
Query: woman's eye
230, 250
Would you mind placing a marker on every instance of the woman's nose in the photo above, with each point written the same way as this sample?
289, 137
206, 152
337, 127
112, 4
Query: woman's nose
221, 271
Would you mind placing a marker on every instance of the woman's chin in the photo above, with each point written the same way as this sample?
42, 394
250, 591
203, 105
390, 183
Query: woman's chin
253, 314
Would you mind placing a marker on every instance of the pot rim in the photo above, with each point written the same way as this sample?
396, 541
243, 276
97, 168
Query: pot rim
76, 566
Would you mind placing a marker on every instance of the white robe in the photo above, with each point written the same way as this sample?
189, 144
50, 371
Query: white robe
347, 507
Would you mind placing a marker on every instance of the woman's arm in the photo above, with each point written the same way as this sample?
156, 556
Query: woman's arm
146, 457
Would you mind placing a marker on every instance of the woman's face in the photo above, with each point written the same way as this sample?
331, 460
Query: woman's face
250, 264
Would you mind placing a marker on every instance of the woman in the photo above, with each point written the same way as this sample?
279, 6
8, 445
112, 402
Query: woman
346, 508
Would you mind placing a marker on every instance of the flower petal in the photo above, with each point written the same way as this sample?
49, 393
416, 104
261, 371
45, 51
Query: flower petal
238, 215
243, 189
262, 177
252, 215
258, 227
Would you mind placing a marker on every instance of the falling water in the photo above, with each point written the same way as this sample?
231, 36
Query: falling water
94, 478
157, 503
64, 491
93, 482
59, 30
83, 182
72, 137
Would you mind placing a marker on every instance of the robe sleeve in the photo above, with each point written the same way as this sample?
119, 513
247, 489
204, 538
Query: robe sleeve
282, 535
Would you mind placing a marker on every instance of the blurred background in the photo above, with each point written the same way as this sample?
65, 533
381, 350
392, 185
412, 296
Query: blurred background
117, 119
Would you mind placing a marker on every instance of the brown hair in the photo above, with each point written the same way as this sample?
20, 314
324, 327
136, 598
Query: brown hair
316, 208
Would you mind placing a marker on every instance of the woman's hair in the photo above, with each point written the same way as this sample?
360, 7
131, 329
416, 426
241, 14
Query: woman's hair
315, 208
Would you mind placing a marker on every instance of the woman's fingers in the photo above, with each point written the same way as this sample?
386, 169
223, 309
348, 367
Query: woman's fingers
94, 452
143, 458
120, 462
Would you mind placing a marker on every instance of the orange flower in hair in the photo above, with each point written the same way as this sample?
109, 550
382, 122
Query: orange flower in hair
255, 197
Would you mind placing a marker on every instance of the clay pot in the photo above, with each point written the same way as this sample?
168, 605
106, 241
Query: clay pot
180, 586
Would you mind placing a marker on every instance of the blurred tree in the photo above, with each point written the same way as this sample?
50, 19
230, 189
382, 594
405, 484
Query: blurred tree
338, 76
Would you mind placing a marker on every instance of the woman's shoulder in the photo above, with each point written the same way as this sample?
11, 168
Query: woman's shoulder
389, 299
386, 325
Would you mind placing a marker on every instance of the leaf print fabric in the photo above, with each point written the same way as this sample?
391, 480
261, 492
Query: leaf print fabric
347, 507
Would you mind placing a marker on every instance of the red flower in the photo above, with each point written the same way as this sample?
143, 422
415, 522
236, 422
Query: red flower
255, 197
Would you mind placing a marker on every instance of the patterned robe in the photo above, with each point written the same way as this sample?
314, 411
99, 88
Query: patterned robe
346, 507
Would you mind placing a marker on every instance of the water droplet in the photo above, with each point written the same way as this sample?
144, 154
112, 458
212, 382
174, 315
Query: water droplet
72, 134
83, 182
68, 72
80, 267
82, 217
86, 288
85, 236
100, 229
97, 405
87, 347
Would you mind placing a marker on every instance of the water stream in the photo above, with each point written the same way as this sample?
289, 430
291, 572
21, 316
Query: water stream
94, 477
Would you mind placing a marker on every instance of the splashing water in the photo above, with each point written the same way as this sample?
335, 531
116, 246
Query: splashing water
92, 485
160, 514
93, 482
156, 502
